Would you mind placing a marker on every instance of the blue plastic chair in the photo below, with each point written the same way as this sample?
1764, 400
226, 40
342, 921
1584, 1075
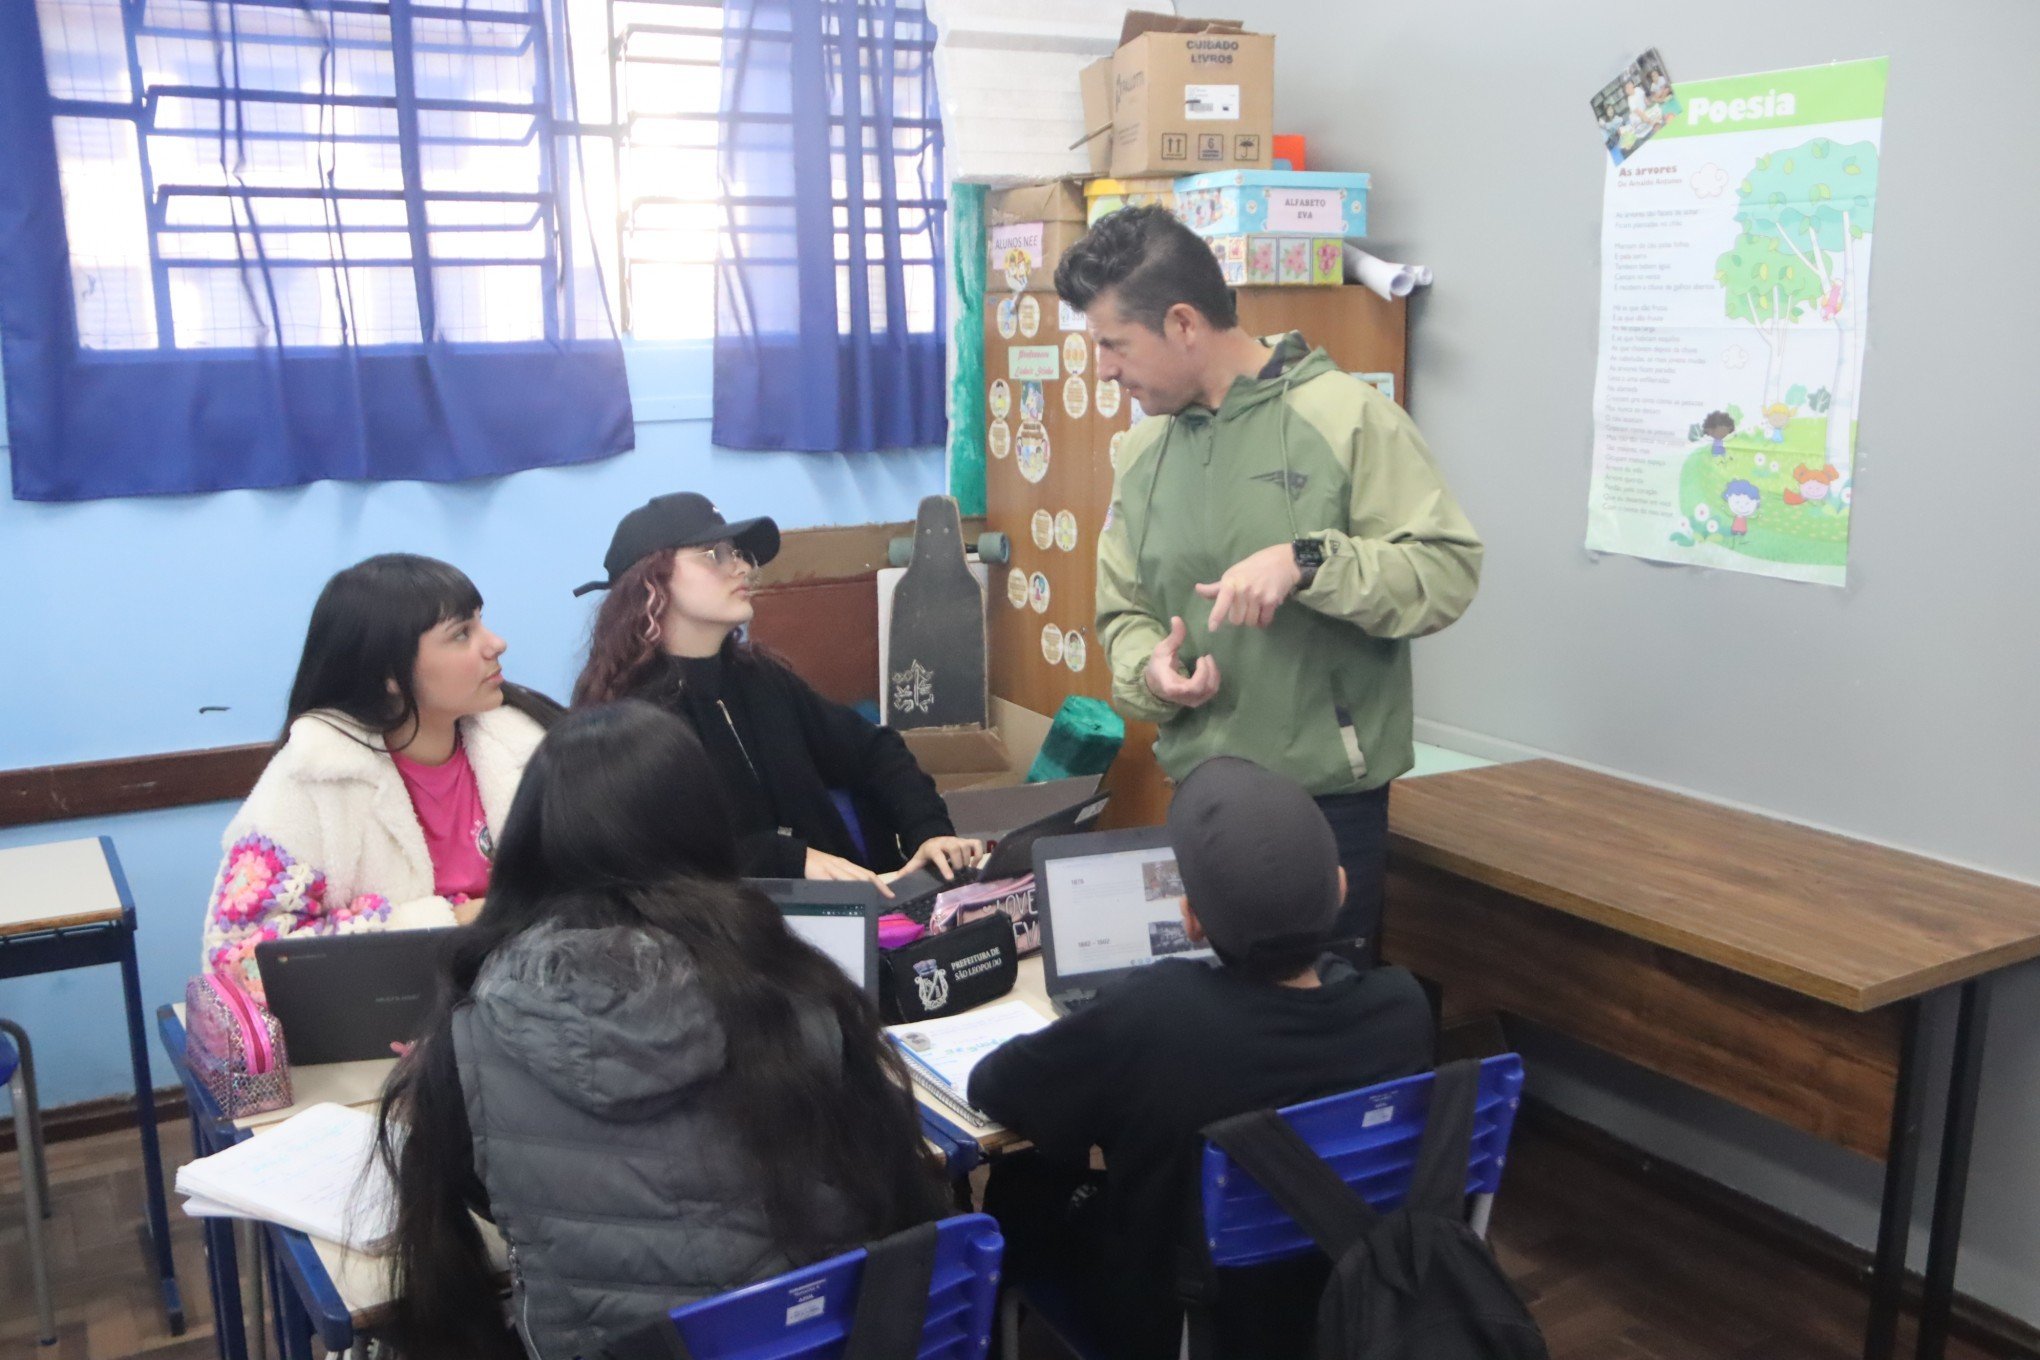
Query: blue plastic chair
806, 1314
1369, 1136
17, 1070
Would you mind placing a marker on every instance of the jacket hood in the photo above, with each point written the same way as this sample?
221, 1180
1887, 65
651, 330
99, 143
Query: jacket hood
610, 1020
1295, 362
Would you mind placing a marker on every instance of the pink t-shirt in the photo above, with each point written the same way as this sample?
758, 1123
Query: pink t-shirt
449, 808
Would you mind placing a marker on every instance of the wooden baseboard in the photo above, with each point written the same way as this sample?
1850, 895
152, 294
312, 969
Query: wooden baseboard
1974, 1322
89, 1118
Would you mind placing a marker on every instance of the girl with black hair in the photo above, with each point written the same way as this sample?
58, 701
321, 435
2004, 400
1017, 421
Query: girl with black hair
402, 746
655, 1089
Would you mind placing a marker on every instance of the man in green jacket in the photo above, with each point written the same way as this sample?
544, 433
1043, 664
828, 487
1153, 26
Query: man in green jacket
1278, 533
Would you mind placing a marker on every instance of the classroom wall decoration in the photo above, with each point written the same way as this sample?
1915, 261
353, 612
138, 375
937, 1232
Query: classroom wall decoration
1735, 294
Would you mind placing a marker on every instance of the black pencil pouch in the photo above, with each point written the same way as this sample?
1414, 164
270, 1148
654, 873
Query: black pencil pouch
943, 974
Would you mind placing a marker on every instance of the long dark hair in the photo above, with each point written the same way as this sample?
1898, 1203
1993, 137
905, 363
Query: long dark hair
618, 822
361, 646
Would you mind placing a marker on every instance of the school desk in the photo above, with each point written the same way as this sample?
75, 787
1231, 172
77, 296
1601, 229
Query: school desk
66, 905
1791, 971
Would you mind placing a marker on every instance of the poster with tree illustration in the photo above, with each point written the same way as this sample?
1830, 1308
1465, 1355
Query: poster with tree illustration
1735, 293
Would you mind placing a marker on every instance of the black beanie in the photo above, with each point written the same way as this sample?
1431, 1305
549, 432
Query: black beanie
1257, 859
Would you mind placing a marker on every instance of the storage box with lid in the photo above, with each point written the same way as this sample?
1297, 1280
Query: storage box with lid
1103, 197
1285, 202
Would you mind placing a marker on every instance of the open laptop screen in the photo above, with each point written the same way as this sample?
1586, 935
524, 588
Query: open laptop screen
1116, 910
837, 931
840, 919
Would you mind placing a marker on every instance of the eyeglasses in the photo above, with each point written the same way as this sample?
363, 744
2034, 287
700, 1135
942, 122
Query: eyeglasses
727, 555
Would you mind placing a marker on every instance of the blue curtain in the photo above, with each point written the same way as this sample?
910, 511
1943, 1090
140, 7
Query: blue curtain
830, 306
257, 243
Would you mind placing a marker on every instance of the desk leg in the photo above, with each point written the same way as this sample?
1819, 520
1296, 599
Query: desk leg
226, 1288
1944, 1239
1901, 1167
145, 1117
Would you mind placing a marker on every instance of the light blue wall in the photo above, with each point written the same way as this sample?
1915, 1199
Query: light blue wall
120, 620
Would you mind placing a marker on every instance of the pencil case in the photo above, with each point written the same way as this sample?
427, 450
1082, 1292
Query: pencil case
234, 1047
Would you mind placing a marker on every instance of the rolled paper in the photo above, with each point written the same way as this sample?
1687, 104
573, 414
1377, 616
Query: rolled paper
1386, 278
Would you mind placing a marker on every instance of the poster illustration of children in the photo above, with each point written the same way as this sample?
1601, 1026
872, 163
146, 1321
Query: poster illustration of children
1742, 499
1718, 426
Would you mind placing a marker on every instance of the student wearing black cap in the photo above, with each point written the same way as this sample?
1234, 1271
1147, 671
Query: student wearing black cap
679, 580
1179, 1044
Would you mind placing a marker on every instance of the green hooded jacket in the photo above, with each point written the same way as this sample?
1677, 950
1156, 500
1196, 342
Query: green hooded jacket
1323, 693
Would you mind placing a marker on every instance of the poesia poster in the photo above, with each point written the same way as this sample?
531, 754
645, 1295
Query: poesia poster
1735, 295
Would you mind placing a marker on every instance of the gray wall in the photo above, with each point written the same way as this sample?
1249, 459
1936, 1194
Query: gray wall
1899, 709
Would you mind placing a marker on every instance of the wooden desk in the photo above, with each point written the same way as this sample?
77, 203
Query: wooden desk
66, 905
1787, 970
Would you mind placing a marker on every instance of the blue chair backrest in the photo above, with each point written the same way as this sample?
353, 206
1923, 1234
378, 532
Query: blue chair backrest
1370, 1138
9, 1059
807, 1312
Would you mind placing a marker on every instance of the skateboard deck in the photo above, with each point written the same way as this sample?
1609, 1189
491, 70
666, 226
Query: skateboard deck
936, 650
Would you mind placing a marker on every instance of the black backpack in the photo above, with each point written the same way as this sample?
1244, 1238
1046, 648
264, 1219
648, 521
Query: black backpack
1412, 1284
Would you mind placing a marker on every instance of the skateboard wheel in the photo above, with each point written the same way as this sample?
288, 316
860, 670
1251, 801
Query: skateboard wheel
994, 548
899, 551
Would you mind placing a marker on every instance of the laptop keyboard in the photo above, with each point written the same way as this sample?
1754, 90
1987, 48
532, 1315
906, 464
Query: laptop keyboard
920, 908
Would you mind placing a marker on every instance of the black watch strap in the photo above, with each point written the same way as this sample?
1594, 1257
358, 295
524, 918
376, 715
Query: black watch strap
1310, 555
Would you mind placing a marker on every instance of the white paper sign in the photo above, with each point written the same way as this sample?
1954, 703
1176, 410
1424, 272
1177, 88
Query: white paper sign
1019, 236
1211, 103
1067, 317
1313, 211
1041, 363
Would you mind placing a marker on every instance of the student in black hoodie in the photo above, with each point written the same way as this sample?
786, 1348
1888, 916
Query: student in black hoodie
679, 582
1142, 1069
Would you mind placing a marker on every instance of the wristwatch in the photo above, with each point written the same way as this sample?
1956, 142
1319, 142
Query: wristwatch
1310, 555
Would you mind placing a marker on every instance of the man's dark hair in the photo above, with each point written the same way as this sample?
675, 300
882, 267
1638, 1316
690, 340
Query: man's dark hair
1149, 262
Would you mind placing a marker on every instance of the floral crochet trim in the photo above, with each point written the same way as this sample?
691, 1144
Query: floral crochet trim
264, 894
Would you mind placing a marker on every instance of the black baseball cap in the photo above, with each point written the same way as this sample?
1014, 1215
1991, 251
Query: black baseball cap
681, 520
1257, 858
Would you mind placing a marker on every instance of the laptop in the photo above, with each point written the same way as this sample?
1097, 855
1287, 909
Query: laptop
1110, 906
914, 894
991, 814
840, 919
343, 998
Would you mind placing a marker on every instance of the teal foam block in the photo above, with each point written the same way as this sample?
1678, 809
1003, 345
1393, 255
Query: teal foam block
1083, 740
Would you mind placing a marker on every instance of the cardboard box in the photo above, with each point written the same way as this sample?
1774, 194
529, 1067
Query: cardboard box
1284, 202
1263, 259
1094, 83
1189, 95
979, 757
1027, 229
1103, 197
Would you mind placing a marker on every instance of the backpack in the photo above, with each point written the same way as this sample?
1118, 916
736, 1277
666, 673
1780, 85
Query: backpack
1412, 1284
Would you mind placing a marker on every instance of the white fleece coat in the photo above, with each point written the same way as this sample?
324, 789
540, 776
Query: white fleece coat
327, 842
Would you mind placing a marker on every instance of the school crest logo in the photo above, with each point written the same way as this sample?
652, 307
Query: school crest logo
931, 984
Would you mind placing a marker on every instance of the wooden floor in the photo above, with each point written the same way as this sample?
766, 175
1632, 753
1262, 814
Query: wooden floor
1613, 1270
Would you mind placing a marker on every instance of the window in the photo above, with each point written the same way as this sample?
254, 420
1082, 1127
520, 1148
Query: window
388, 164
392, 196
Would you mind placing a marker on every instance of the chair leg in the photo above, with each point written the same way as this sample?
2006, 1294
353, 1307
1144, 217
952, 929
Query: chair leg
35, 1129
29, 1146
1009, 1325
